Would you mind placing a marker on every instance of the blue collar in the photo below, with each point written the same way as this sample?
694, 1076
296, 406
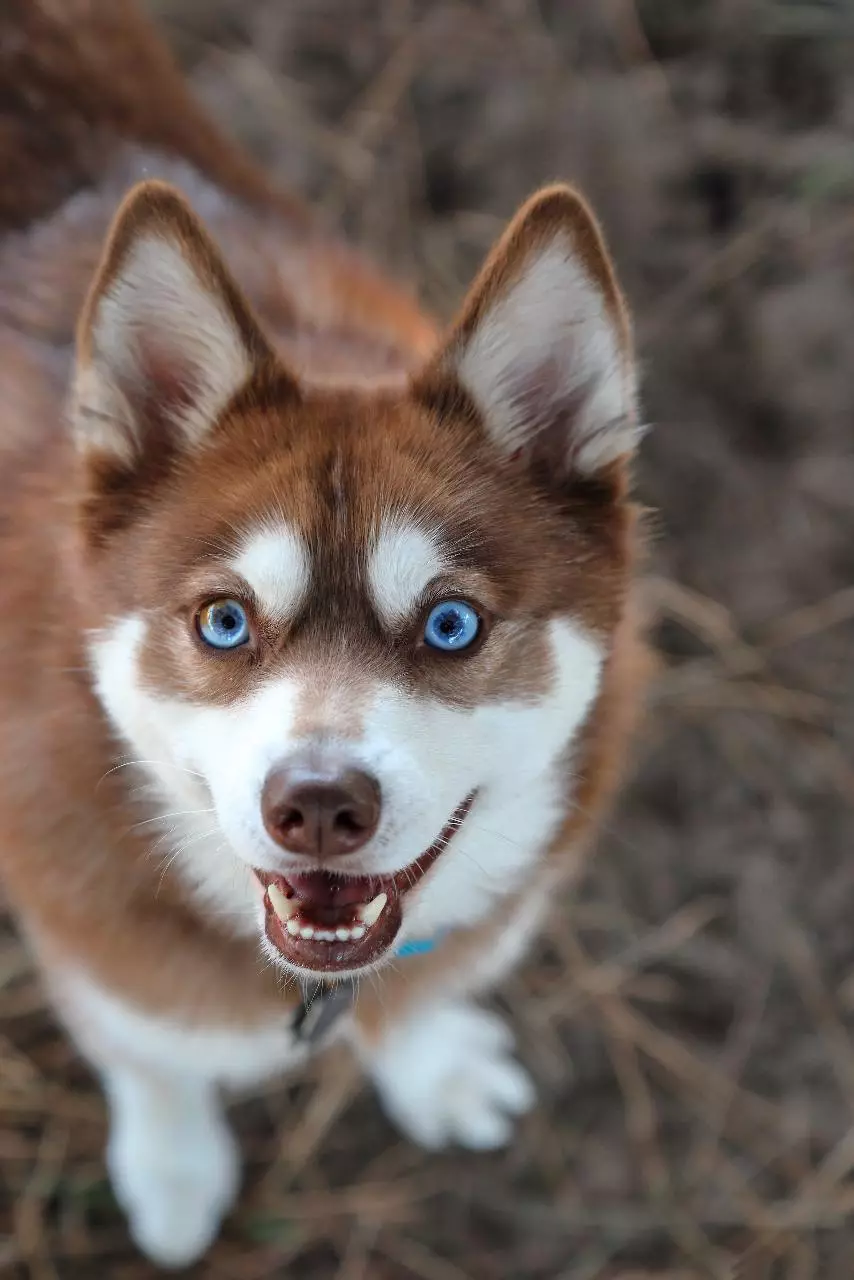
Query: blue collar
321, 1005
416, 947
420, 946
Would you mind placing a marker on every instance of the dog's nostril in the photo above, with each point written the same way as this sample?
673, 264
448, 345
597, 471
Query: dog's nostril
347, 820
292, 819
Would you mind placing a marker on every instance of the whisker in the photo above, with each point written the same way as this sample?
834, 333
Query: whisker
129, 764
177, 813
178, 850
487, 875
167, 864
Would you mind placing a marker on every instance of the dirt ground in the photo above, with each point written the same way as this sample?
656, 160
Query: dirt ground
689, 1015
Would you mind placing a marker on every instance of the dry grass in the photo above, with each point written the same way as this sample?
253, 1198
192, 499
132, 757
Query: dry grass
689, 1015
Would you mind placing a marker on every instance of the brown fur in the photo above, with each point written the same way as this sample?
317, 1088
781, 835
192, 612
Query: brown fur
78, 869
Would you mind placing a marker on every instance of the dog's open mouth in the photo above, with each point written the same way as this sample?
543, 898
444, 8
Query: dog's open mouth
330, 923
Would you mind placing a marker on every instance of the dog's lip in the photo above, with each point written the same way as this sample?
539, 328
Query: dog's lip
330, 899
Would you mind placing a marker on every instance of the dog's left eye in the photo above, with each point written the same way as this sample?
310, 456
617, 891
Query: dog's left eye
451, 625
223, 624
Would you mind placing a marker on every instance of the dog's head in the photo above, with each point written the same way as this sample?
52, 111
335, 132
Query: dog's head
354, 635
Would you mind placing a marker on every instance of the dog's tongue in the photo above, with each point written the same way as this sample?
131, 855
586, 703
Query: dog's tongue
320, 889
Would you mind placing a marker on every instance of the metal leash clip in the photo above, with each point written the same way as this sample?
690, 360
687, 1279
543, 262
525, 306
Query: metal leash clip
322, 1005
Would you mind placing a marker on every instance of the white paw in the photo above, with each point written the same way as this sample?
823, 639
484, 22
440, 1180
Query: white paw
450, 1077
175, 1173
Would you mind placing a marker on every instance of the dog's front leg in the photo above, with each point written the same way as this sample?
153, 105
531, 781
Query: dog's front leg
173, 1162
172, 1159
443, 1066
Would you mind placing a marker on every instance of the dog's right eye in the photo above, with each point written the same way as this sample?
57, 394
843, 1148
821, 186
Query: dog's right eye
223, 624
451, 626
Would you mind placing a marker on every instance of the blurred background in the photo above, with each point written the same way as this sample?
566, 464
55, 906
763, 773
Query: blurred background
688, 1016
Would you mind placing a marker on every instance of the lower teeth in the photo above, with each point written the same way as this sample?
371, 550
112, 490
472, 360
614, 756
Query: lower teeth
286, 911
307, 931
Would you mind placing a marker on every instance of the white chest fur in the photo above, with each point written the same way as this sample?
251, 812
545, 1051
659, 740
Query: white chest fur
109, 1030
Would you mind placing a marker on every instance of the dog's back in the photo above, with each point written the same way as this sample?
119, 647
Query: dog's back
81, 78
91, 102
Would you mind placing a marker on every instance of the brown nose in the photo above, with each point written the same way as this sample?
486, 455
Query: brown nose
320, 814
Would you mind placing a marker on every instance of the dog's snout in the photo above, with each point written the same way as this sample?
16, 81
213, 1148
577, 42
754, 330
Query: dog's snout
320, 813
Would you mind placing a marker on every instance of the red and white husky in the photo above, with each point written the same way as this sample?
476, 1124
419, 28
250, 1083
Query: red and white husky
318, 656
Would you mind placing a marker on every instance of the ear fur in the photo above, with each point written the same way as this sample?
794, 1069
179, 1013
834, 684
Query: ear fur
542, 348
165, 338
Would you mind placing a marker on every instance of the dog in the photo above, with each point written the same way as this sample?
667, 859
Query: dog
320, 644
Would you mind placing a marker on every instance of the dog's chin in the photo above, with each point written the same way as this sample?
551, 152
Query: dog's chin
329, 925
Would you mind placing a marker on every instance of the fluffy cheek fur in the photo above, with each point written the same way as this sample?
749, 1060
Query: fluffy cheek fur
209, 765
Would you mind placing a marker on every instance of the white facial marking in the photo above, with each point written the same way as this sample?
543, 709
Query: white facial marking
275, 563
166, 737
426, 755
402, 562
547, 346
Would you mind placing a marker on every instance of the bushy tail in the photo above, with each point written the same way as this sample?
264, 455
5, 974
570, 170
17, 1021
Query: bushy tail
80, 77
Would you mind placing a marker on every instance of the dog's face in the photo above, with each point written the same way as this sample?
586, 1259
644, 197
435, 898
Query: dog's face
354, 636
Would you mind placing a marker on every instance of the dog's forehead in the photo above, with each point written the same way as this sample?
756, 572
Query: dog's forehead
353, 506
394, 561
346, 532
358, 498
351, 463
343, 513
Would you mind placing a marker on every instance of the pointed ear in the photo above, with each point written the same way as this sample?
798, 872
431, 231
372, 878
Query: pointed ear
542, 349
165, 338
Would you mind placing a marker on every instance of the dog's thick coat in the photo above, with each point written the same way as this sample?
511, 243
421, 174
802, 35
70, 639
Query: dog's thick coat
248, 412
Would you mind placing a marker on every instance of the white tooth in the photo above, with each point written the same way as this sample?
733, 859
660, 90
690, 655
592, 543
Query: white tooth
324, 935
306, 931
283, 907
358, 932
293, 928
370, 912
342, 934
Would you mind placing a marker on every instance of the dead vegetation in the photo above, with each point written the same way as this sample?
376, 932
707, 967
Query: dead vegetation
689, 1015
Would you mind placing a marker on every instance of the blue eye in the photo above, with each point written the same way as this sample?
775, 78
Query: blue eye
451, 625
223, 624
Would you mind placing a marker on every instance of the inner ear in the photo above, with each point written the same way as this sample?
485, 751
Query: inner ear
541, 353
165, 339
